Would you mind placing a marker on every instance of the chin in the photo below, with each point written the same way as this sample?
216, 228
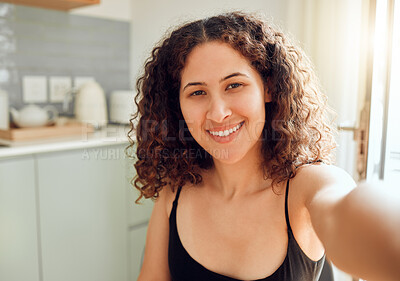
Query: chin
226, 156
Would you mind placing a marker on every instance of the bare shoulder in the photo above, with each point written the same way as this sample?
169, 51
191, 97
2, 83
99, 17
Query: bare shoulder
320, 173
166, 198
321, 178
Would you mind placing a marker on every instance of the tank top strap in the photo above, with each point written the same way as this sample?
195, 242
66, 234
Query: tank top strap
286, 207
287, 194
316, 161
177, 195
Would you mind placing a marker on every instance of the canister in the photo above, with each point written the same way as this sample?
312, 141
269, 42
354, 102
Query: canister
122, 106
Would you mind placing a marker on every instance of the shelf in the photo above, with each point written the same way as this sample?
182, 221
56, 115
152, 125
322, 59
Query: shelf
62, 5
27, 134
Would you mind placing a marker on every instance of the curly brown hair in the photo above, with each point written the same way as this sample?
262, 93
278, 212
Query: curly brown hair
296, 129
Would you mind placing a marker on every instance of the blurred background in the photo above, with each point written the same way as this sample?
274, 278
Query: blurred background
67, 208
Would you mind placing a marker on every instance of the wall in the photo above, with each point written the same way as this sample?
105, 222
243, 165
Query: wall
330, 32
107, 9
53, 43
151, 19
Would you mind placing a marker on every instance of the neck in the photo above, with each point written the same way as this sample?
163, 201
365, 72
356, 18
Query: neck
242, 178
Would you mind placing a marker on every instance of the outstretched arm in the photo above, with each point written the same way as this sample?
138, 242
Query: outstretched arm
359, 228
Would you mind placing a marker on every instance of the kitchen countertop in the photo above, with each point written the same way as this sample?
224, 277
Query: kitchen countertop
109, 135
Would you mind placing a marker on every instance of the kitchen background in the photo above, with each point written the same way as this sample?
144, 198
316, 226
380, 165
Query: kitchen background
54, 44
71, 215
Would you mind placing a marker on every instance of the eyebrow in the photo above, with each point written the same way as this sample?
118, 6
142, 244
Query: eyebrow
223, 79
233, 75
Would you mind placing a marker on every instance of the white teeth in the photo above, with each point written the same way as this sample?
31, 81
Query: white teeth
226, 132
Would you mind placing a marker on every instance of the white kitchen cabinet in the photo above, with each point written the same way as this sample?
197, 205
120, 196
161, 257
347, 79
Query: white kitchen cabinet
19, 244
83, 214
137, 213
70, 214
138, 217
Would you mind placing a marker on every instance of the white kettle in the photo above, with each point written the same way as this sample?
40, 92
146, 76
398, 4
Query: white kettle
91, 105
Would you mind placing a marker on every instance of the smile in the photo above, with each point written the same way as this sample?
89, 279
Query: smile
226, 132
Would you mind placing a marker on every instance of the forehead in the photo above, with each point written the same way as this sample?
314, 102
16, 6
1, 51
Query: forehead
213, 60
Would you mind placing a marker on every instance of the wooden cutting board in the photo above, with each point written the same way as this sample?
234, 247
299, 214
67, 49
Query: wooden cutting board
26, 134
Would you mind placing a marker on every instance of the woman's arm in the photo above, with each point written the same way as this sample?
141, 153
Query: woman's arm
359, 228
155, 262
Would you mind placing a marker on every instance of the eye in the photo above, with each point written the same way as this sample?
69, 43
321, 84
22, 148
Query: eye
234, 85
197, 93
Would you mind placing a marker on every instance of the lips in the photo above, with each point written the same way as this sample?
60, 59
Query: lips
225, 134
223, 128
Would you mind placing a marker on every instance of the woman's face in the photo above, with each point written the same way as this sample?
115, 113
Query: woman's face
222, 98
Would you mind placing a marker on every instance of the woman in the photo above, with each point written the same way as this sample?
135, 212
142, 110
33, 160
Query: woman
232, 127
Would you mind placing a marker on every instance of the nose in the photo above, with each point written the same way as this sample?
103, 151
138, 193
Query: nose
218, 110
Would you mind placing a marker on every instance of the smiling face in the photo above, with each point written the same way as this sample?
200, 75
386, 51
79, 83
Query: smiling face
222, 99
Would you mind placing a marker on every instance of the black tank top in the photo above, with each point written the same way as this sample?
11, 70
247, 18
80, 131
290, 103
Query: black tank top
296, 266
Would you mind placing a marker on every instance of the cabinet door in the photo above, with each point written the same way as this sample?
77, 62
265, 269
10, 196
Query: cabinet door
137, 213
19, 257
83, 215
137, 238
138, 217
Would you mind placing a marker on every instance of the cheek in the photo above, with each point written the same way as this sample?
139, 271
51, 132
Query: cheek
192, 114
252, 106
185, 112
254, 110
